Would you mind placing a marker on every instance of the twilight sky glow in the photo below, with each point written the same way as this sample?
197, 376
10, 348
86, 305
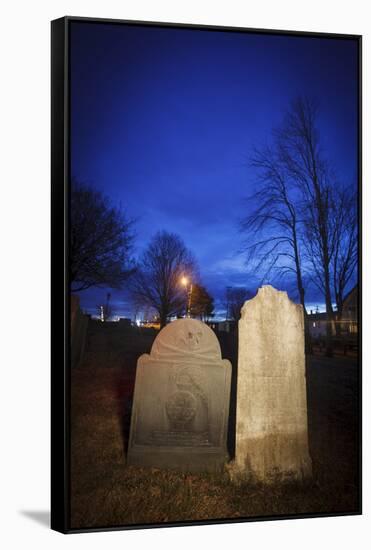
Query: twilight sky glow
163, 121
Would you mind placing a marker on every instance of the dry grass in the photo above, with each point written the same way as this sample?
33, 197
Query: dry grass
105, 492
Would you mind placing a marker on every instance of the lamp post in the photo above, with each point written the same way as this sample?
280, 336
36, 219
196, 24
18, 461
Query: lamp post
184, 281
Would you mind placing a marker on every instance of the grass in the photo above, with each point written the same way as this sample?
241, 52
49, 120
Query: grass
106, 492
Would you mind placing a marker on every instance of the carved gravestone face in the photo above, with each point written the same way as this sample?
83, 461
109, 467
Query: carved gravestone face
181, 401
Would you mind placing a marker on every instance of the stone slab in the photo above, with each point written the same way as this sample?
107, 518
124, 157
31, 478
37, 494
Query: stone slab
271, 425
181, 401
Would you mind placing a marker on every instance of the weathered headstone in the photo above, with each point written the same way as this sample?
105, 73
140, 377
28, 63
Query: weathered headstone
271, 426
181, 401
79, 325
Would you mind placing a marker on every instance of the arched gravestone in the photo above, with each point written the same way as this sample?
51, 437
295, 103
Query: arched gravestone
181, 401
271, 423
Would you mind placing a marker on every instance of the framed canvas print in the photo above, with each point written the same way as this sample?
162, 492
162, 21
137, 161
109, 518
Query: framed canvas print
206, 191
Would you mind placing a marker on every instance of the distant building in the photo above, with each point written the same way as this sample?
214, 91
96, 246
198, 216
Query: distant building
349, 320
317, 323
150, 324
221, 326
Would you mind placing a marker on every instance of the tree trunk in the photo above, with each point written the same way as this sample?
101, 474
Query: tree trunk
307, 339
329, 312
339, 307
163, 320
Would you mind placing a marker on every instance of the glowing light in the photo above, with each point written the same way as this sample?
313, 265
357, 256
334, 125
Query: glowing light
184, 281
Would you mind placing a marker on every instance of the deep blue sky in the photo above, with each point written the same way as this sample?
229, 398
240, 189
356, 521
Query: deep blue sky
163, 121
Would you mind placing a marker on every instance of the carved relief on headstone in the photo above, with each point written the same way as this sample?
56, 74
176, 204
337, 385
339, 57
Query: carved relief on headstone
271, 424
181, 401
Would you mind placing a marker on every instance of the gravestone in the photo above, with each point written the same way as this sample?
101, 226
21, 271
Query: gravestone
271, 423
79, 325
181, 401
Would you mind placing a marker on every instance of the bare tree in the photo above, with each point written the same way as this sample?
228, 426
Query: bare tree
345, 238
274, 226
100, 240
303, 223
301, 155
235, 297
157, 281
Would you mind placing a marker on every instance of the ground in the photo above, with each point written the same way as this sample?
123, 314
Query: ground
106, 492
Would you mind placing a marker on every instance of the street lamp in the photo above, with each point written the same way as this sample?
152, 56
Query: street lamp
184, 280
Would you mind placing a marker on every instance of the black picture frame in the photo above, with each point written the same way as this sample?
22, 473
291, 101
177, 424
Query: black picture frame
60, 284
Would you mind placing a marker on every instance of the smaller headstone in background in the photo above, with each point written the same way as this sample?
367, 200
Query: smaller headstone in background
181, 401
271, 424
125, 323
75, 306
79, 325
